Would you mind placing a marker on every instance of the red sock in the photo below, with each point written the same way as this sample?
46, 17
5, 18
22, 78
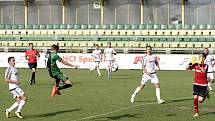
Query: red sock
195, 103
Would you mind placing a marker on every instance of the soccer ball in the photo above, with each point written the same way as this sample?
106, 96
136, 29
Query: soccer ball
115, 67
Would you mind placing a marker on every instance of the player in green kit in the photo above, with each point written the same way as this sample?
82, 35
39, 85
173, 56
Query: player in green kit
55, 72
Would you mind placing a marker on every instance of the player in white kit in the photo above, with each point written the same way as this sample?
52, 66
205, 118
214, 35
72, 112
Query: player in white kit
97, 54
210, 62
12, 78
148, 65
109, 52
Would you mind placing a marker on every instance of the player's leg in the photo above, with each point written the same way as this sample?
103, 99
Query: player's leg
93, 67
33, 75
21, 105
15, 105
156, 83
97, 68
145, 78
110, 68
66, 82
56, 86
195, 104
210, 80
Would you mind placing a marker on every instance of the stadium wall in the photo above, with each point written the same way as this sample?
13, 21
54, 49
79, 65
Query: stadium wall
115, 12
85, 61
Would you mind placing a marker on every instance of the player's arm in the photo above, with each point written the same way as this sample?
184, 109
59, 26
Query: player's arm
7, 79
190, 66
65, 62
204, 69
114, 52
26, 56
157, 64
144, 69
38, 54
68, 64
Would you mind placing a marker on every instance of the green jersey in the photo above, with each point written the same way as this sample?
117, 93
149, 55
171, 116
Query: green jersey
51, 63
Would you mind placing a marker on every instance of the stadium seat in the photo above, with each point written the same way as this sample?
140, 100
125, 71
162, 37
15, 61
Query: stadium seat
35, 26
42, 26
2, 26
77, 26
70, 26
112, 27
91, 26
142, 26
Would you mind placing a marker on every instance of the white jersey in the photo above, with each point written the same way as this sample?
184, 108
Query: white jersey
149, 61
97, 54
11, 73
109, 52
209, 61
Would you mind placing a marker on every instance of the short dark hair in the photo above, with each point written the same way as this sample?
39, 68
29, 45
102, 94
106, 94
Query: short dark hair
148, 46
30, 44
204, 55
97, 45
9, 59
55, 47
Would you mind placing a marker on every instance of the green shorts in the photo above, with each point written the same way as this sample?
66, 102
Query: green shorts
58, 77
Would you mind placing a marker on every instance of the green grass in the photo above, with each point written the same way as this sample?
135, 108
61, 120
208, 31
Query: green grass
96, 97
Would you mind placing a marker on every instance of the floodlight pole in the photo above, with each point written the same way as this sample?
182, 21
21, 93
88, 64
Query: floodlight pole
142, 11
102, 11
63, 11
26, 12
182, 12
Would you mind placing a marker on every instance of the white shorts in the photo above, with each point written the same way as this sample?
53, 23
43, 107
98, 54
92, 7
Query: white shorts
146, 78
210, 75
110, 63
17, 92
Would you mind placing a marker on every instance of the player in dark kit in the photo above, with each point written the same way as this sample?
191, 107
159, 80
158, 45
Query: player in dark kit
31, 55
55, 72
200, 82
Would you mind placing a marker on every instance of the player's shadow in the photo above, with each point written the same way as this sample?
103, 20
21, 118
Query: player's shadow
124, 77
52, 113
208, 113
168, 101
178, 100
120, 117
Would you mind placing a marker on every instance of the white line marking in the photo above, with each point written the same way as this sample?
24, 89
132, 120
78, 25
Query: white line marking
129, 107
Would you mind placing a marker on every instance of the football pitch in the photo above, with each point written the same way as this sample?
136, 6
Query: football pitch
94, 98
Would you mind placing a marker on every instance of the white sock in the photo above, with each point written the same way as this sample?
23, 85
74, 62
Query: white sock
98, 71
21, 104
158, 94
137, 90
209, 86
16, 104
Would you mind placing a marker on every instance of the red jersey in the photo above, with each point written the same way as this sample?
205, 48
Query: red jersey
32, 55
200, 77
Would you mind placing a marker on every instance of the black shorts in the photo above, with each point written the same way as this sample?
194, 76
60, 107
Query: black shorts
32, 65
199, 90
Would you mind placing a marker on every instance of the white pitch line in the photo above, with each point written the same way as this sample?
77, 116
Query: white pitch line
121, 109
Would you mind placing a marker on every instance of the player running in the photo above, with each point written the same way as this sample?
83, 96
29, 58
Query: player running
200, 82
109, 52
31, 55
97, 54
55, 72
12, 78
148, 65
210, 73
